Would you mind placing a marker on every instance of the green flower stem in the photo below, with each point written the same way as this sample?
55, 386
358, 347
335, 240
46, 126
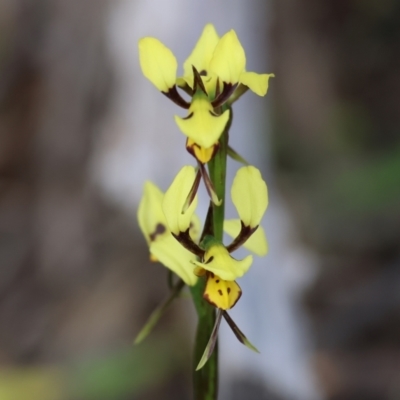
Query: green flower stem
206, 379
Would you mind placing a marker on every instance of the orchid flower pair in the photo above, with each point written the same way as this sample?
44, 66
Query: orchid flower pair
172, 233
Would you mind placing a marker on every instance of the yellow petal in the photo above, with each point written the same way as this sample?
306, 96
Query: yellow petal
169, 252
150, 214
218, 261
229, 59
201, 125
158, 63
257, 83
249, 195
175, 198
257, 242
220, 293
201, 54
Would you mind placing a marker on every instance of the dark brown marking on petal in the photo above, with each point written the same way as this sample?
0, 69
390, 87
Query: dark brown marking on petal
197, 81
203, 72
217, 281
207, 298
160, 229
226, 93
244, 234
208, 261
212, 274
174, 95
189, 116
229, 290
220, 292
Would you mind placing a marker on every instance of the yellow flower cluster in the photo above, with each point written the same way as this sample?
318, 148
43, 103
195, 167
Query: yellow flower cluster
213, 76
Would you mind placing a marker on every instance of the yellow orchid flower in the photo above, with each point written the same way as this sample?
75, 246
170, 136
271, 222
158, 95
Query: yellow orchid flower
163, 246
214, 62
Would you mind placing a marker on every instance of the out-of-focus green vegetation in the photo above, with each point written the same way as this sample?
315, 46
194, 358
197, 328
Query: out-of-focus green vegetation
114, 377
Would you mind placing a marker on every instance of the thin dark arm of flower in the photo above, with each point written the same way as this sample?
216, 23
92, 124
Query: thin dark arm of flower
197, 81
243, 236
208, 224
225, 95
186, 241
211, 343
174, 95
193, 192
238, 333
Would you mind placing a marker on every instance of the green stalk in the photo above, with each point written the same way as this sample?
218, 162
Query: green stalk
205, 381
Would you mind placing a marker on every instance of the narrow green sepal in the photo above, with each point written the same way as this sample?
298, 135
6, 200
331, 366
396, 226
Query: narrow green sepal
238, 333
236, 156
158, 312
211, 343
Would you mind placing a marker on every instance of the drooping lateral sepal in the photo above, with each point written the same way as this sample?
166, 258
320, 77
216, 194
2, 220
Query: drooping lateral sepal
169, 252
249, 195
158, 312
211, 342
209, 186
238, 333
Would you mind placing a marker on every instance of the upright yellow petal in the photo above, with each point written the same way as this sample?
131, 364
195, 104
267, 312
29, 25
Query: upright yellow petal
201, 125
249, 195
158, 63
218, 261
175, 198
220, 293
169, 252
150, 214
228, 60
256, 243
257, 83
202, 53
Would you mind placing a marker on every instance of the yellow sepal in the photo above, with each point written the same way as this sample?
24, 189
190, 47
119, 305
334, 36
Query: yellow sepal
158, 63
249, 195
175, 198
229, 59
202, 53
222, 294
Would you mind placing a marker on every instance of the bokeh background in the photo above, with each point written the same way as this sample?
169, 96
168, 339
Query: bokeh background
80, 132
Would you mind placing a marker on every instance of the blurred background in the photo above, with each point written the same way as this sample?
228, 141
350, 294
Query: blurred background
81, 130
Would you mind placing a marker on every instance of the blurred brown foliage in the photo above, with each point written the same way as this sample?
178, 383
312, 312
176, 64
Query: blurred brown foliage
337, 153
